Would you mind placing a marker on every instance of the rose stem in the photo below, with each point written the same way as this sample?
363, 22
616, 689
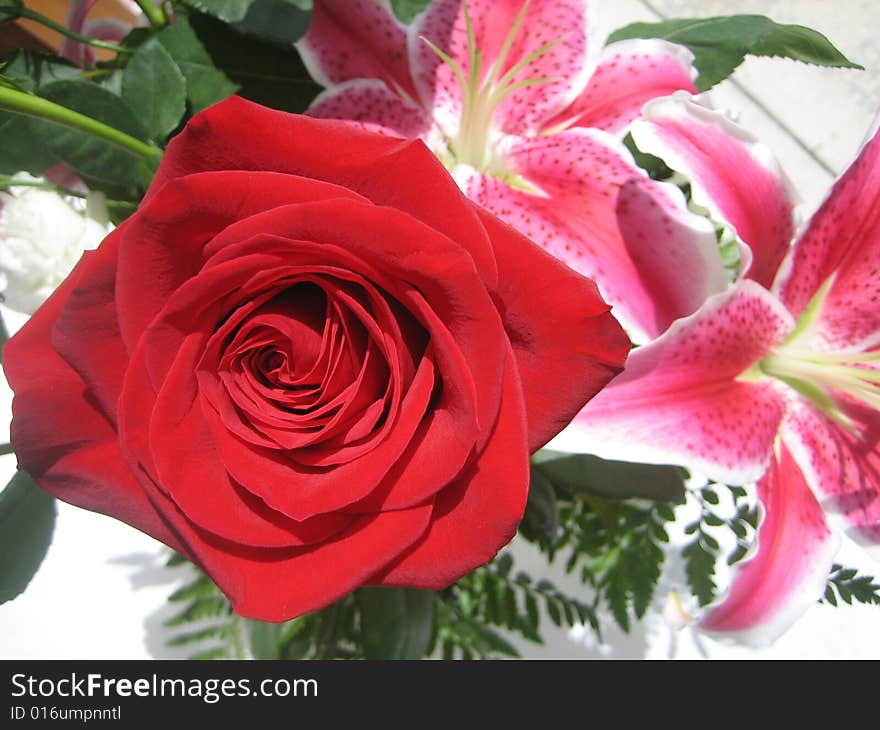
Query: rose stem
35, 106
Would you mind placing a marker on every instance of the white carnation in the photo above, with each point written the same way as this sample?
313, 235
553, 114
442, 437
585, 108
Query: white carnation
42, 236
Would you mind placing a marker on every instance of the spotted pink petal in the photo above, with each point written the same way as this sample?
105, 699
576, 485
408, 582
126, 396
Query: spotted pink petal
789, 571
629, 74
527, 109
675, 254
842, 238
841, 467
733, 175
658, 265
374, 106
680, 399
361, 39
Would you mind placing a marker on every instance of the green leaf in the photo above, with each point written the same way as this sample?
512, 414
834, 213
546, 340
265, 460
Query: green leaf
584, 473
27, 520
720, 44
101, 165
205, 83
492, 640
406, 10
155, 89
264, 639
265, 72
29, 70
279, 21
22, 148
230, 11
396, 623
541, 520
282, 21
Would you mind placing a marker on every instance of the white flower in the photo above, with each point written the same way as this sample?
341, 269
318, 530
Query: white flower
42, 236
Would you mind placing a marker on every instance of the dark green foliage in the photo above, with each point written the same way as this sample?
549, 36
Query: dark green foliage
4, 337
265, 72
471, 619
654, 166
584, 473
205, 83
470, 612
721, 44
100, 164
205, 621
396, 623
27, 521
406, 10
848, 586
703, 551
28, 70
155, 89
614, 544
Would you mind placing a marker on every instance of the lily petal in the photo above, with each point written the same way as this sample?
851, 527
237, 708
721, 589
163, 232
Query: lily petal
843, 239
842, 468
675, 253
629, 74
77, 53
350, 40
733, 175
566, 194
789, 571
546, 21
680, 399
370, 103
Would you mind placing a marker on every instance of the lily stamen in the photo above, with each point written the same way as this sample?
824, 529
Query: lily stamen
473, 144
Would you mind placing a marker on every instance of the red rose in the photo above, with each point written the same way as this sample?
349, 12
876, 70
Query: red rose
307, 363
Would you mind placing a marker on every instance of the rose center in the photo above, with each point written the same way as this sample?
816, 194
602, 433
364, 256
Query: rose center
478, 143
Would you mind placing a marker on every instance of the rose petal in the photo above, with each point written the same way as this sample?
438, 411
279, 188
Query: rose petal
282, 583
86, 331
569, 352
164, 244
59, 435
402, 174
476, 516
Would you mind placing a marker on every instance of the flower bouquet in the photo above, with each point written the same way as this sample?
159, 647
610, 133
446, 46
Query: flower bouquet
333, 299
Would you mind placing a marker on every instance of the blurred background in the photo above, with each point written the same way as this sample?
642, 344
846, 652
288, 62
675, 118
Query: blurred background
102, 590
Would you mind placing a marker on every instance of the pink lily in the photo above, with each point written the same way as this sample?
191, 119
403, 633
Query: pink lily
102, 29
773, 379
505, 94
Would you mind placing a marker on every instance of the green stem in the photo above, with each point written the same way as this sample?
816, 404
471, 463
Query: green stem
6, 449
155, 14
8, 181
35, 106
65, 31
